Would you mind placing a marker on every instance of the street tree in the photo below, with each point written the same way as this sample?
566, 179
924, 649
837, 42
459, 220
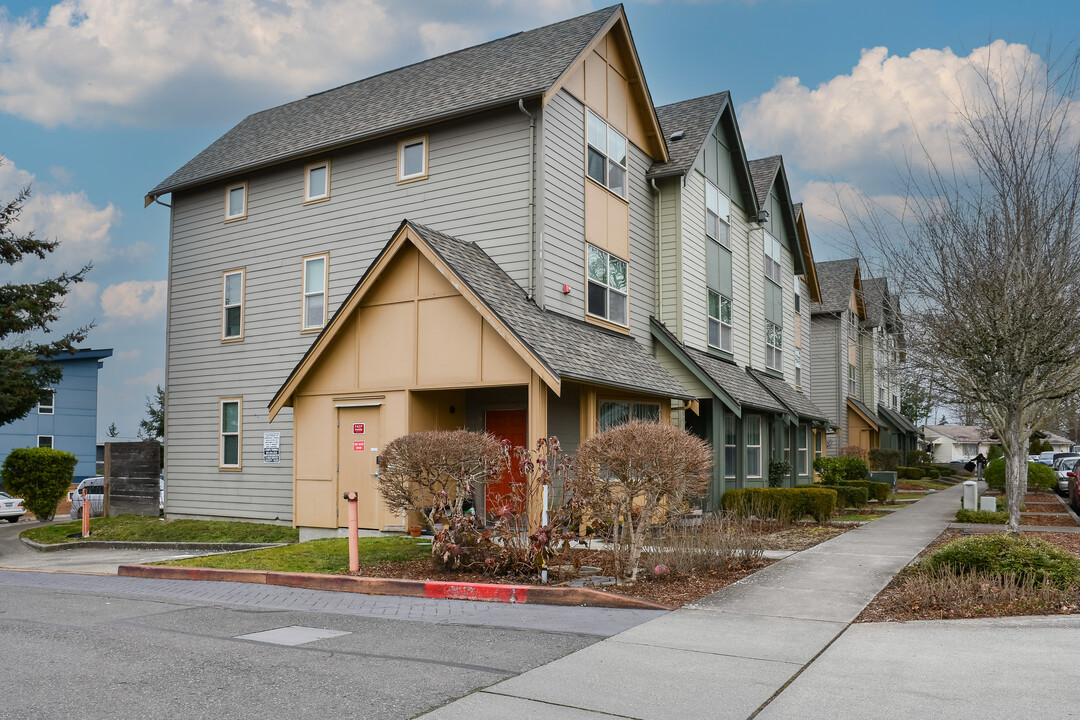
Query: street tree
112, 431
152, 427
986, 247
28, 312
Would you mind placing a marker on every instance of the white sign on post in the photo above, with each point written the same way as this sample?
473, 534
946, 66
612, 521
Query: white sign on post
272, 447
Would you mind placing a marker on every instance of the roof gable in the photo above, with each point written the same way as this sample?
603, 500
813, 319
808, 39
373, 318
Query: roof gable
769, 174
838, 279
484, 76
809, 266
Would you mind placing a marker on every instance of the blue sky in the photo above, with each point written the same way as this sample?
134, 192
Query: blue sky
102, 99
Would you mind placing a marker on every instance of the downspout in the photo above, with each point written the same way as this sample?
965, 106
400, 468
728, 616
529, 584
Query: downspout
659, 251
532, 200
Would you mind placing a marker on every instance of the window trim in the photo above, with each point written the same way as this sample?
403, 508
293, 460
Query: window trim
242, 272
726, 220
51, 406
402, 178
630, 402
310, 199
803, 468
798, 294
797, 357
731, 470
325, 256
758, 447
52, 441
222, 467
607, 158
228, 191
778, 350
719, 321
600, 319
852, 381
769, 260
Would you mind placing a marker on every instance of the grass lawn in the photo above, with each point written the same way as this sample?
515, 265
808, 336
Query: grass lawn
137, 528
329, 556
858, 518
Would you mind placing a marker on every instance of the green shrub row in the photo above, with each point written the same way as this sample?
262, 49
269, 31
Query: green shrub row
875, 490
835, 469
918, 473
999, 553
1039, 476
783, 504
884, 459
849, 496
1000, 517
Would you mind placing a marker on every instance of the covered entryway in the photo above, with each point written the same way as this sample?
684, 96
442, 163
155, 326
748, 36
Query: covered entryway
508, 425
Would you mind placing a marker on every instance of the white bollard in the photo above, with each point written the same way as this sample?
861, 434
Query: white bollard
971, 495
989, 504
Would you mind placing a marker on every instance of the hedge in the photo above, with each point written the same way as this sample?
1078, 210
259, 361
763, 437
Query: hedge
835, 469
41, 476
998, 553
1039, 476
997, 517
850, 496
784, 504
875, 490
911, 473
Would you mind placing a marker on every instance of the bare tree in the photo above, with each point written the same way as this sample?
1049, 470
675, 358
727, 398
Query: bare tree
987, 250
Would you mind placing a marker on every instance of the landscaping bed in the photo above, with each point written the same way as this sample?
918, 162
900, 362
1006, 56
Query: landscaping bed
138, 528
1065, 520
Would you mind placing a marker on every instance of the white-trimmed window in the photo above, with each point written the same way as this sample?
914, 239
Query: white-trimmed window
802, 459
731, 445
413, 159
774, 346
317, 181
851, 380
47, 406
717, 215
45, 441
772, 258
606, 155
607, 296
230, 427
853, 324
819, 450
798, 296
896, 402
719, 321
236, 201
798, 367
753, 445
316, 269
614, 413
232, 305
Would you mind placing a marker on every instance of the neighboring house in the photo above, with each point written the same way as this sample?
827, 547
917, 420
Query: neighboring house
732, 269
955, 443
482, 228
69, 420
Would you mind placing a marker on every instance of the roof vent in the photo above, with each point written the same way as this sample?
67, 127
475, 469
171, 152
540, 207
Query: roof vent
677, 135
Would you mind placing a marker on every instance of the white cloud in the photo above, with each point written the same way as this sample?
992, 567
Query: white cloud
150, 379
133, 354
203, 61
135, 301
865, 124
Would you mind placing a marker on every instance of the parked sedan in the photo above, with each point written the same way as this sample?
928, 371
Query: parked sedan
1074, 491
95, 492
1062, 468
11, 509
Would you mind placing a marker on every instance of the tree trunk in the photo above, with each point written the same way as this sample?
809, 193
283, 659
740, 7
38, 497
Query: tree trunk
1015, 472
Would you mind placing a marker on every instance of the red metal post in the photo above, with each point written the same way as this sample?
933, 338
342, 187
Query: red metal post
354, 532
85, 514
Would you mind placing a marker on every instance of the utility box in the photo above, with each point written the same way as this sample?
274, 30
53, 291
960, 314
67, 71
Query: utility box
884, 476
971, 495
989, 504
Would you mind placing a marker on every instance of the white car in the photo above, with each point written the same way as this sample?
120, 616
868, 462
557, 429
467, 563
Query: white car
11, 509
95, 492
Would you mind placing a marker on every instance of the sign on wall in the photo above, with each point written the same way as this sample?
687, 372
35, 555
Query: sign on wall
358, 446
358, 428
272, 447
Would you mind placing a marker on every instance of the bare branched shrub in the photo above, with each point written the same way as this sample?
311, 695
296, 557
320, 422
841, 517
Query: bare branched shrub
854, 451
944, 592
717, 543
631, 476
434, 472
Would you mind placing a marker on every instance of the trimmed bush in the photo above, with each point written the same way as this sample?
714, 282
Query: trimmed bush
884, 459
41, 476
875, 490
909, 473
783, 504
845, 467
917, 457
982, 516
999, 553
848, 496
1039, 476
932, 473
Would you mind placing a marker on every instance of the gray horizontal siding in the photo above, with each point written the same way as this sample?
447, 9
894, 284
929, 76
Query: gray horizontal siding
564, 205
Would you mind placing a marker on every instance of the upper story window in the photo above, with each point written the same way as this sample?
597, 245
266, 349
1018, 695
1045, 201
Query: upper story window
317, 182
896, 402
717, 215
607, 297
772, 258
613, 414
413, 159
853, 323
798, 296
606, 161
232, 305
48, 403
314, 299
881, 395
798, 367
851, 380
774, 346
236, 201
719, 321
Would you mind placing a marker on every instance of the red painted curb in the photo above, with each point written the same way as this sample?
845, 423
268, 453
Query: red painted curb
434, 589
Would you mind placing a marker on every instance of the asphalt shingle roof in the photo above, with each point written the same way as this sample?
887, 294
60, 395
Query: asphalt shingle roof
763, 171
875, 295
799, 403
487, 75
836, 279
897, 420
695, 118
865, 410
572, 349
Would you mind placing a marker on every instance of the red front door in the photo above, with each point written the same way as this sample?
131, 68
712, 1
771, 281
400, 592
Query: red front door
507, 425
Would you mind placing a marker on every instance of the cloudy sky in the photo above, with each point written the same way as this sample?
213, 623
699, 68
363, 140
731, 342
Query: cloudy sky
102, 99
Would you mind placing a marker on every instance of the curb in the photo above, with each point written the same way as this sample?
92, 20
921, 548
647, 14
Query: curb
432, 589
131, 545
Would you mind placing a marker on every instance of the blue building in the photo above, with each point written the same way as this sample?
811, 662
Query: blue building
69, 423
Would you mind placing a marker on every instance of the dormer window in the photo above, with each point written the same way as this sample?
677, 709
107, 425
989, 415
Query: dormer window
606, 161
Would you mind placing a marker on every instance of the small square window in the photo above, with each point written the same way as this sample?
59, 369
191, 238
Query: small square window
317, 182
412, 159
236, 202
48, 404
44, 441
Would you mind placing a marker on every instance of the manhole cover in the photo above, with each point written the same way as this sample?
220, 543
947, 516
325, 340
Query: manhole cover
292, 635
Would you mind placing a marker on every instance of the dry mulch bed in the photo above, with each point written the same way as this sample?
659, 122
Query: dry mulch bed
890, 604
1046, 508
803, 537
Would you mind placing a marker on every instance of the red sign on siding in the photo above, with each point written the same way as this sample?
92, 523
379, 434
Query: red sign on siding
358, 428
358, 446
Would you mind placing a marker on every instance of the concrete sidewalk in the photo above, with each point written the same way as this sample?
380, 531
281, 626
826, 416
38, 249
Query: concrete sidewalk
730, 654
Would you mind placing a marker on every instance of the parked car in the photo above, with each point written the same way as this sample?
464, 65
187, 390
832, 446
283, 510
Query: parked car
1074, 490
11, 509
1062, 467
95, 489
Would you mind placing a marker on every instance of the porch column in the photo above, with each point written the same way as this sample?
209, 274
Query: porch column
719, 471
537, 428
